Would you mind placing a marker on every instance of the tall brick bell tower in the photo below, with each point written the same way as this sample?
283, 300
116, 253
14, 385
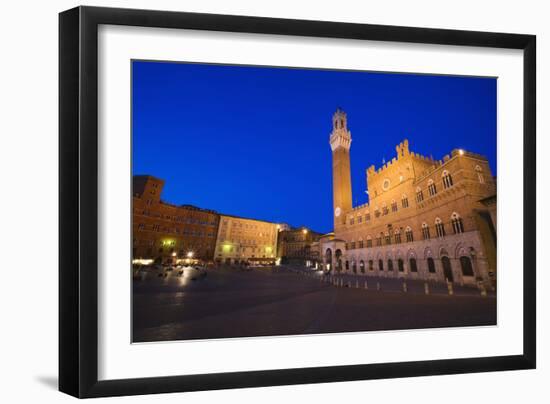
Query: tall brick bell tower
340, 143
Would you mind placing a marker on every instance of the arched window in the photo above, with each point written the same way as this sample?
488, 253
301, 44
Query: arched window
412, 265
432, 190
397, 236
354, 266
466, 265
352, 244
400, 266
439, 228
419, 195
393, 206
425, 231
359, 218
409, 235
388, 238
347, 265
458, 225
390, 265
369, 241
367, 217
371, 265
376, 212
431, 265
480, 176
404, 201
385, 209
361, 243
379, 240
362, 266
380, 265
447, 179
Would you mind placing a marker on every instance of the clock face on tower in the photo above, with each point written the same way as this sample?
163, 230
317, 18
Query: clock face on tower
337, 211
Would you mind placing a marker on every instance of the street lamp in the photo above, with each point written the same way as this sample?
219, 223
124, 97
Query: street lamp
190, 254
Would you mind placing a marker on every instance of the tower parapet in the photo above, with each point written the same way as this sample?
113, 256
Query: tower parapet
340, 135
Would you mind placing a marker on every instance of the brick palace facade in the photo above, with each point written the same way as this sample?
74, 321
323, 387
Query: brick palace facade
426, 218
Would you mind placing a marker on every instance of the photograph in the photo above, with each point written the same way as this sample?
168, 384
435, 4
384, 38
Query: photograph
278, 201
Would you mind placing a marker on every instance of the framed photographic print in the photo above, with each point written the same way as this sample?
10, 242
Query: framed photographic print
251, 201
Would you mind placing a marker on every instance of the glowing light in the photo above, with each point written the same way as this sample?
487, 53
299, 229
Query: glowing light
226, 247
174, 254
304, 231
142, 261
190, 254
461, 152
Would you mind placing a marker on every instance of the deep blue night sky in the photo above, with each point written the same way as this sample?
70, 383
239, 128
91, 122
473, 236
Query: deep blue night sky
253, 141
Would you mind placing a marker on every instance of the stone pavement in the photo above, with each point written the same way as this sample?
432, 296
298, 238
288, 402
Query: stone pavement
278, 301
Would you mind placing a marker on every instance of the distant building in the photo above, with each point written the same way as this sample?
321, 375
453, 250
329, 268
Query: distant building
426, 218
295, 246
246, 241
166, 233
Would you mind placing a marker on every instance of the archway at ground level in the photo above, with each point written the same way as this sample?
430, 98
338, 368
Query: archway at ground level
447, 268
328, 259
466, 265
338, 255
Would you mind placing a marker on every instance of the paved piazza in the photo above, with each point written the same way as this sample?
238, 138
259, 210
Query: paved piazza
282, 301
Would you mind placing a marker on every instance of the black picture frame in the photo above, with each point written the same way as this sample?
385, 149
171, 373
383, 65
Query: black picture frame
78, 201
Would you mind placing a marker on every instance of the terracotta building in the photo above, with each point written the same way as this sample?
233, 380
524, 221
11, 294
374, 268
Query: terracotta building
295, 246
426, 218
166, 233
241, 240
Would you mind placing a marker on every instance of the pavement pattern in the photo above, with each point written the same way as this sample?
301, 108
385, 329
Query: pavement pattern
231, 302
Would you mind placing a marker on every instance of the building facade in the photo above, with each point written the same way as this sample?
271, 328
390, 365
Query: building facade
246, 241
166, 233
425, 219
295, 246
